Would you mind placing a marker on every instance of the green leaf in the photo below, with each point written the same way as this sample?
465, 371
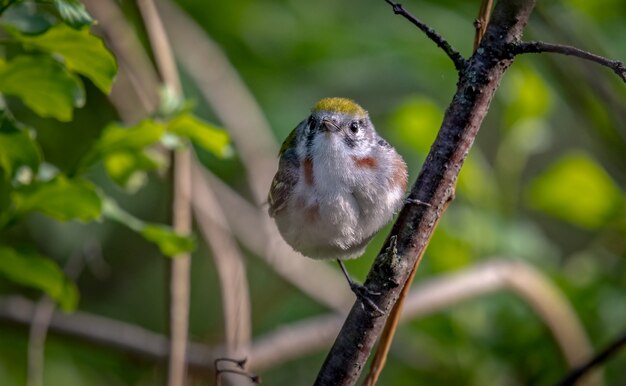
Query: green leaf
61, 198
83, 53
169, 242
120, 138
128, 168
43, 84
123, 150
577, 190
26, 18
18, 149
33, 270
73, 13
203, 134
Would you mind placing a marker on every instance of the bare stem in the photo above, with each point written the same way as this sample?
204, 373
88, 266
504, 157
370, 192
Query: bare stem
42, 315
229, 263
454, 55
314, 334
539, 47
37, 339
484, 14
181, 206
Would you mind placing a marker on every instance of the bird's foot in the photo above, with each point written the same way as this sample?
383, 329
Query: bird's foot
364, 295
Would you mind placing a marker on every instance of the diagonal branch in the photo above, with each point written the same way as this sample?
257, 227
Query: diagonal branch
539, 47
230, 266
454, 55
435, 186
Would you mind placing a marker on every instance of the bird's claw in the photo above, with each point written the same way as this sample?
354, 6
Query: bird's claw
363, 294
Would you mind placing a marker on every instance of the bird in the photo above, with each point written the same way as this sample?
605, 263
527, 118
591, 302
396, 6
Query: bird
338, 183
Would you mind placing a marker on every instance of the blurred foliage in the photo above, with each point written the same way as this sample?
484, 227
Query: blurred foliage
49, 52
544, 182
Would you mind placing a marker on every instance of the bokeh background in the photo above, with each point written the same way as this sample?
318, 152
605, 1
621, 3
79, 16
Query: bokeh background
544, 185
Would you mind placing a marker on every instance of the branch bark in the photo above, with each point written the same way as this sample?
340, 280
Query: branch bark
435, 186
181, 203
230, 267
314, 334
454, 55
539, 47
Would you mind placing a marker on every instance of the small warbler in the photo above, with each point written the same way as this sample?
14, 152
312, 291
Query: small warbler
338, 183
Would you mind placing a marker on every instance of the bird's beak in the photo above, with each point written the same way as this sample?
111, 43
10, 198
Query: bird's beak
329, 125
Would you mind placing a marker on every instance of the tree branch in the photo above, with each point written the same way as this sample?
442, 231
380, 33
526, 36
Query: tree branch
539, 47
181, 203
599, 358
314, 334
230, 266
479, 79
454, 55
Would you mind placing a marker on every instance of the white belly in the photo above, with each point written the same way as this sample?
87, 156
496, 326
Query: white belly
334, 224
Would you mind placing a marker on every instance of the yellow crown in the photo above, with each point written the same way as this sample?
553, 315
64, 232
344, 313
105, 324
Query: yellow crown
339, 105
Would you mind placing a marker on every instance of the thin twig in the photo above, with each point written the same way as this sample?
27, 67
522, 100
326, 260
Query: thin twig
311, 335
601, 357
239, 371
135, 90
42, 315
227, 94
454, 55
484, 14
230, 266
37, 339
539, 47
181, 205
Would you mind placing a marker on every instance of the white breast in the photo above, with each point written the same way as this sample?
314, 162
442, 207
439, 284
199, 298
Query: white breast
334, 212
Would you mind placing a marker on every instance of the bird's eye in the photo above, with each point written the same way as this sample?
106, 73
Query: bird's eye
311, 122
354, 126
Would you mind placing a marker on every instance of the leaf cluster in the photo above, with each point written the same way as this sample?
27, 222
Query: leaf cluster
51, 52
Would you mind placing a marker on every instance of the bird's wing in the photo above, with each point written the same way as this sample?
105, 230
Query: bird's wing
284, 181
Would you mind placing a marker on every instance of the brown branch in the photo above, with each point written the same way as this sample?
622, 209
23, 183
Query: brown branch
435, 186
42, 314
481, 22
135, 90
454, 55
227, 95
539, 47
311, 335
601, 357
380, 358
230, 267
181, 205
